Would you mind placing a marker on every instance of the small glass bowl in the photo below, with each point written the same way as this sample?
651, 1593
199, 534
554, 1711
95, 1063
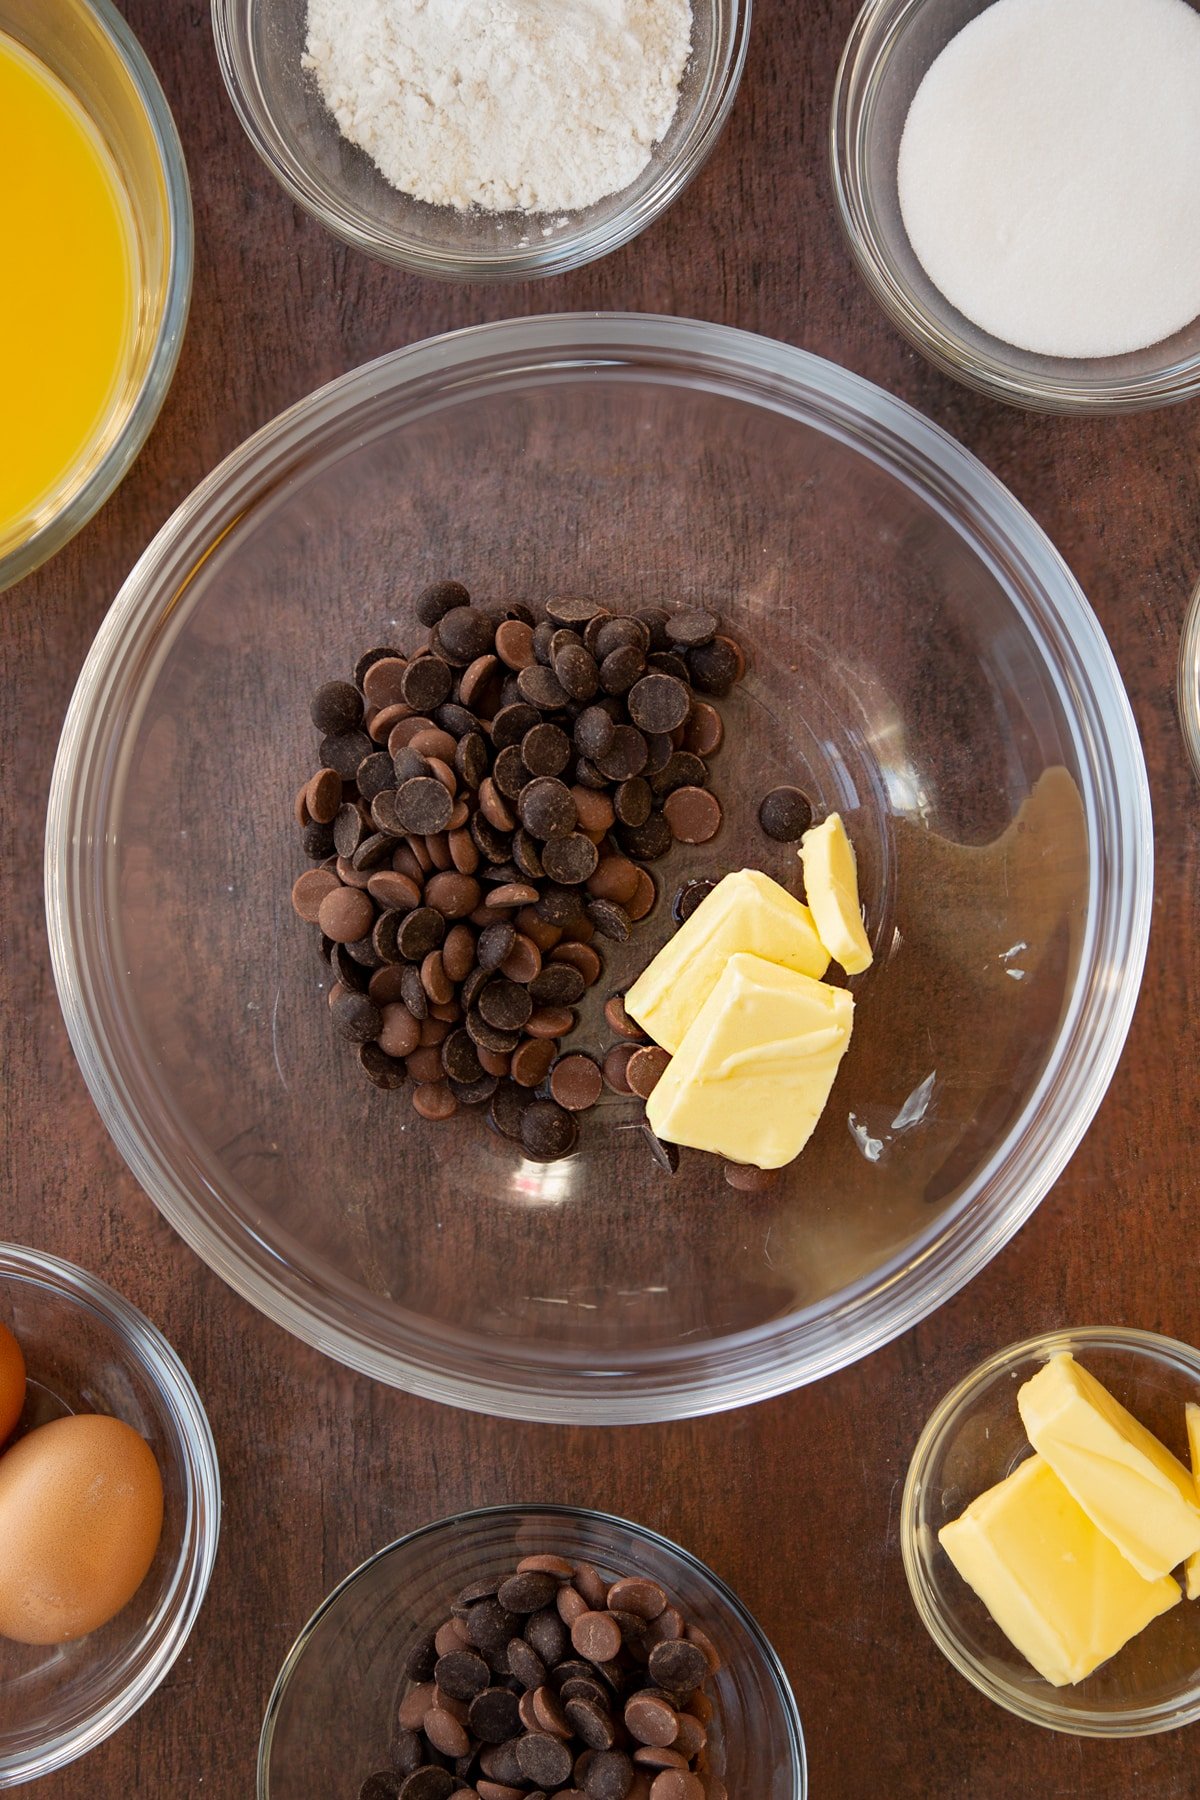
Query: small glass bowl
91, 49
87, 1350
330, 1717
1189, 682
260, 44
891, 46
974, 1440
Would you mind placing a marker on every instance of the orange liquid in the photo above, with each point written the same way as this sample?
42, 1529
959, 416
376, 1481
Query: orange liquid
67, 292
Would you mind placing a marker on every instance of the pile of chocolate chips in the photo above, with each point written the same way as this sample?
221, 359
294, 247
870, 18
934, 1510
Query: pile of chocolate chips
555, 1681
484, 810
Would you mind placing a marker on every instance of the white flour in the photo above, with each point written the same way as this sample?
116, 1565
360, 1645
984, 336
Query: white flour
1050, 173
528, 105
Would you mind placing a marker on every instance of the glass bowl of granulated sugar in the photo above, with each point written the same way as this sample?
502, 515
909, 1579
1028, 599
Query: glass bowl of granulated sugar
494, 141
1017, 180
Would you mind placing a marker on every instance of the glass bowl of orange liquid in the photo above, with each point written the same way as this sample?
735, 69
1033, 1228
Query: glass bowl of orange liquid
96, 223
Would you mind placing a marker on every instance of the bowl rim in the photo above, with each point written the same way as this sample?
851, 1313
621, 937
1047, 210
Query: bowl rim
517, 1511
177, 1612
570, 249
1004, 375
1189, 681
171, 328
762, 1362
1089, 1722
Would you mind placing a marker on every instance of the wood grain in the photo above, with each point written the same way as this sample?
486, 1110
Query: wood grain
795, 1503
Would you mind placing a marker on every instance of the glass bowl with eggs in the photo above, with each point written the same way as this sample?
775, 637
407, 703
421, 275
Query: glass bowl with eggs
109, 1511
490, 150
95, 178
1015, 182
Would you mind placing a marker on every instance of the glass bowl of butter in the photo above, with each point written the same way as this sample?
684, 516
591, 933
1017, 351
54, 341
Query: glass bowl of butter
919, 661
1050, 1529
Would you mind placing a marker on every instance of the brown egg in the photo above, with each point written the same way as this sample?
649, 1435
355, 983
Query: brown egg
12, 1381
81, 1507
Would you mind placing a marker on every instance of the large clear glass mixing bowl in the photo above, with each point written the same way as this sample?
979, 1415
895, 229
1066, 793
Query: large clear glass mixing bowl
919, 657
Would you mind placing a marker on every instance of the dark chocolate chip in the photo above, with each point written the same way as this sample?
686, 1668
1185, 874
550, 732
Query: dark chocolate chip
593, 732
493, 1715
547, 1131
439, 598
785, 814
337, 708
427, 681
714, 667
422, 930
344, 751
511, 723
463, 634
691, 628
546, 749
659, 703
547, 808
356, 1017
572, 859
423, 805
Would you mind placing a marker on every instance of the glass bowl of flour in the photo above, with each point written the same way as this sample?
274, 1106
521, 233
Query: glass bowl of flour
489, 141
1017, 180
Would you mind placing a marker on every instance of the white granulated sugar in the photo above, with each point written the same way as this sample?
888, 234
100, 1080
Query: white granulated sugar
1049, 173
509, 105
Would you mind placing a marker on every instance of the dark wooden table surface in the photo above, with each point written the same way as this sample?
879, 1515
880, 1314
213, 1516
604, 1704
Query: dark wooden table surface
795, 1503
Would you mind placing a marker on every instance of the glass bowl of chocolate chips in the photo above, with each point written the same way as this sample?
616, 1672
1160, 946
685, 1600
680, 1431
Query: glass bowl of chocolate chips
409, 744
532, 1651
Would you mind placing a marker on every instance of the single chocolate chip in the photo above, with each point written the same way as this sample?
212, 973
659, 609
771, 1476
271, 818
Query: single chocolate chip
659, 703
576, 671
492, 844
374, 774
586, 775
714, 667
373, 852
439, 598
423, 806
527, 855
345, 915
336, 708
323, 796
348, 830
557, 984
590, 1722
646, 1069
546, 750
426, 682
619, 634
428, 1783
493, 1715
455, 719
597, 1636
491, 1037
621, 669
508, 1103
669, 662
693, 815
463, 634
569, 860
785, 814
528, 1591
649, 841
609, 1776
573, 609
407, 1751
514, 643
356, 1017
343, 751
593, 731
694, 627
651, 1719
688, 899
507, 1006
412, 989
383, 1785
511, 723
524, 1663
350, 974
386, 936
495, 942
474, 1093
547, 808
576, 1083
460, 1060
476, 683
678, 1666
382, 1070
541, 687
310, 889
632, 801
559, 905
625, 756
421, 931
370, 657
682, 770
544, 1759
547, 1131
545, 1631
452, 894
609, 919
749, 1180
407, 764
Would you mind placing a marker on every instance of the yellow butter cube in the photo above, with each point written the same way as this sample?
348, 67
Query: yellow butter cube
746, 911
831, 886
1062, 1594
753, 1072
1129, 1484
1192, 1570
